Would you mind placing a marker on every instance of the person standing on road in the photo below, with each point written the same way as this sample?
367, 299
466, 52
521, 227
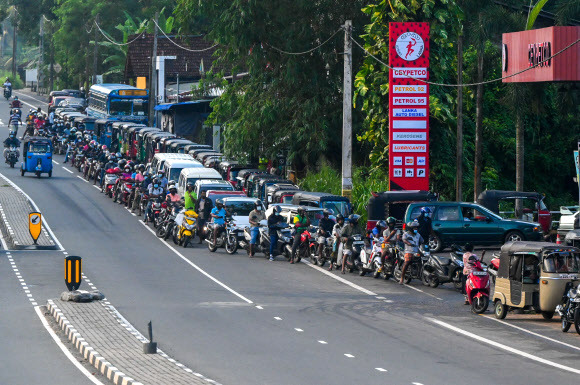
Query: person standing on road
336, 230
425, 226
256, 215
301, 223
203, 208
346, 235
325, 226
412, 239
467, 268
274, 220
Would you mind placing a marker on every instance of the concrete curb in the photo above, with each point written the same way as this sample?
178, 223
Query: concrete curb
94, 358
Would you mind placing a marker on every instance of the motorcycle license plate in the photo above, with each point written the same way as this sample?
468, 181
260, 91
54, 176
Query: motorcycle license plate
240, 233
479, 273
358, 243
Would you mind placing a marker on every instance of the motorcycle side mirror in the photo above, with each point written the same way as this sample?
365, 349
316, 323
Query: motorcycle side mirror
488, 219
482, 255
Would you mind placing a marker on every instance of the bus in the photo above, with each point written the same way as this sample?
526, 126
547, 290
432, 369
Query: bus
118, 102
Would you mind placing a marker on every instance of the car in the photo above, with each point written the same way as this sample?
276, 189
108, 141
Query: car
216, 194
314, 214
569, 220
55, 102
73, 93
239, 208
76, 103
463, 222
211, 184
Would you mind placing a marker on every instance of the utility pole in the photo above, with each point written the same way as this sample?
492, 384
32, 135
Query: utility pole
459, 154
153, 81
96, 51
347, 114
41, 56
14, 28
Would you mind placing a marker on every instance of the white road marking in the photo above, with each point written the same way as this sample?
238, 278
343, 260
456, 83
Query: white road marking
323, 342
30, 97
531, 332
416, 383
340, 279
55, 162
197, 267
67, 170
388, 300
259, 307
379, 297
381, 369
97, 187
348, 355
64, 349
44, 221
278, 318
298, 330
504, 347
421, 291
83, 179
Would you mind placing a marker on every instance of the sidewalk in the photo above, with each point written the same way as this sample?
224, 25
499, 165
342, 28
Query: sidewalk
14, 209
30, 94
115, 348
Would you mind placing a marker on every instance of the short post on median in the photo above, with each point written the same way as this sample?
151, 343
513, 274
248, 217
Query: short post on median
35, 225
73, 268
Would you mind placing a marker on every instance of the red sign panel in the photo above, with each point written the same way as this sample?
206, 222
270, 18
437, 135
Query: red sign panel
409, 106
521, 50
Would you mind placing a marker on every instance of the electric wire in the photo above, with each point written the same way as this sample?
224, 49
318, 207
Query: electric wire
179, 46
470, 84
307, 51
114, 42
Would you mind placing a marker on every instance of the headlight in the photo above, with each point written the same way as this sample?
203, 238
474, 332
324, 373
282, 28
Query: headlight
189, 227
286, 239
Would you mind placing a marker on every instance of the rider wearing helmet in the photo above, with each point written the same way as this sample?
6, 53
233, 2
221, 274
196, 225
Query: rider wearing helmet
256, 215
325, 226
346, 234
336, 230
218, 215
301, 223
274, 221
424, 220
11, 141
390, 237
173, 196
412, 239
162, 179
203, 208
155, 192
379, 228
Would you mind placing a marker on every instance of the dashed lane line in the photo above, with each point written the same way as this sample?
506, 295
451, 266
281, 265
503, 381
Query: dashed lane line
83, 179
340, 279
504, 347
381, 369
67, 170
421, 291
531, 332
348, 355
55, 162
197, 267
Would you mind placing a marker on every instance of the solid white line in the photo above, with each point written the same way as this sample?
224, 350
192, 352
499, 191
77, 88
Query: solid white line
67, 170
340, 279
30, 97
44, 221
55, 162
259, 307
504, 347
64, 349
197, 267
421, 291
531, 332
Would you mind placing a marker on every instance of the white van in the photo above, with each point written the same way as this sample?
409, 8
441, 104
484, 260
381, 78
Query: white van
212, 184
192, 175
173, 167
158, 161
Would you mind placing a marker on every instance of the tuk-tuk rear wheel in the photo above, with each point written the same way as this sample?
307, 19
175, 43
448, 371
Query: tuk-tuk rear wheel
548, 314
22, 172
500, 309
50, 174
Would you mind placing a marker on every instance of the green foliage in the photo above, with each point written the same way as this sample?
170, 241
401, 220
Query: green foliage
534, 13
17, 83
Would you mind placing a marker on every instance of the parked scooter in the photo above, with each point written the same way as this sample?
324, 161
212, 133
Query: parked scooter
477, 287
183, 228
569, 309
111, 177
415, 268
439, 269
370, 258
352, 261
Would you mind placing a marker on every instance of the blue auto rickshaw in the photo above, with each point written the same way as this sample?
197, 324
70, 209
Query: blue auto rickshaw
37, 156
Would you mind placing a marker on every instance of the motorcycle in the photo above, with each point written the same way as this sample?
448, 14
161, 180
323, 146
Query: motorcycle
182, 227
569, 309
7, 92
415, 268
12, 156
263, 245
477, 288
370, 258
124, 191
111, 177
227, 237
493, 267
326, 255
143, 203
156, 208
439, 269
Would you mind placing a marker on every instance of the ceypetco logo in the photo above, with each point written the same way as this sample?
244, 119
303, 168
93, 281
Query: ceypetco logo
410, 46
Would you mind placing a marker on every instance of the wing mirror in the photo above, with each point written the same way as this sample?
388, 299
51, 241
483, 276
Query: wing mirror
488, 219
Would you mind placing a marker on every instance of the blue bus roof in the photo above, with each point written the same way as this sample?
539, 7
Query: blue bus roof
110, 87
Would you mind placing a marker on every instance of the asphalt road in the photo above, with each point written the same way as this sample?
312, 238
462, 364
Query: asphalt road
249, 321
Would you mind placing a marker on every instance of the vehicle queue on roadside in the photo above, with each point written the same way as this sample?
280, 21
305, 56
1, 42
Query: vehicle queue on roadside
241, 206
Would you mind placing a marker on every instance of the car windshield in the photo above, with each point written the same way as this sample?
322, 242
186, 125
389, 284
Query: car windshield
76, 101
239, 208
140, 107
174, 173
287, 199
38, 148
562, 262
217, 188
337, 207
234, 174
120, 107
314, 216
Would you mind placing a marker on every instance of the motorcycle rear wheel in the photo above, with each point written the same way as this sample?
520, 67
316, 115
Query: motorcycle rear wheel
577, 320
565, 324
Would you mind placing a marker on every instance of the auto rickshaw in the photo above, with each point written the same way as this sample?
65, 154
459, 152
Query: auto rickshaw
534, 275
37, 156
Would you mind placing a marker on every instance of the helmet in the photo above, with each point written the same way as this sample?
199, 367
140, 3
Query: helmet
141, 167
301, 209
326, 212
189, 185
104, 147
425, 210
382, 224
119, 155
171, 182
122, 163
413, 224
160, 172
278, 209
155, 180
219, 203
353, 218
391, 221
112, 158
172, 187
127, 169
340, 217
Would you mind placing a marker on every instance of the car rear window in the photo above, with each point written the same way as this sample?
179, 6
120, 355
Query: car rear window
448, 213
416, 211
